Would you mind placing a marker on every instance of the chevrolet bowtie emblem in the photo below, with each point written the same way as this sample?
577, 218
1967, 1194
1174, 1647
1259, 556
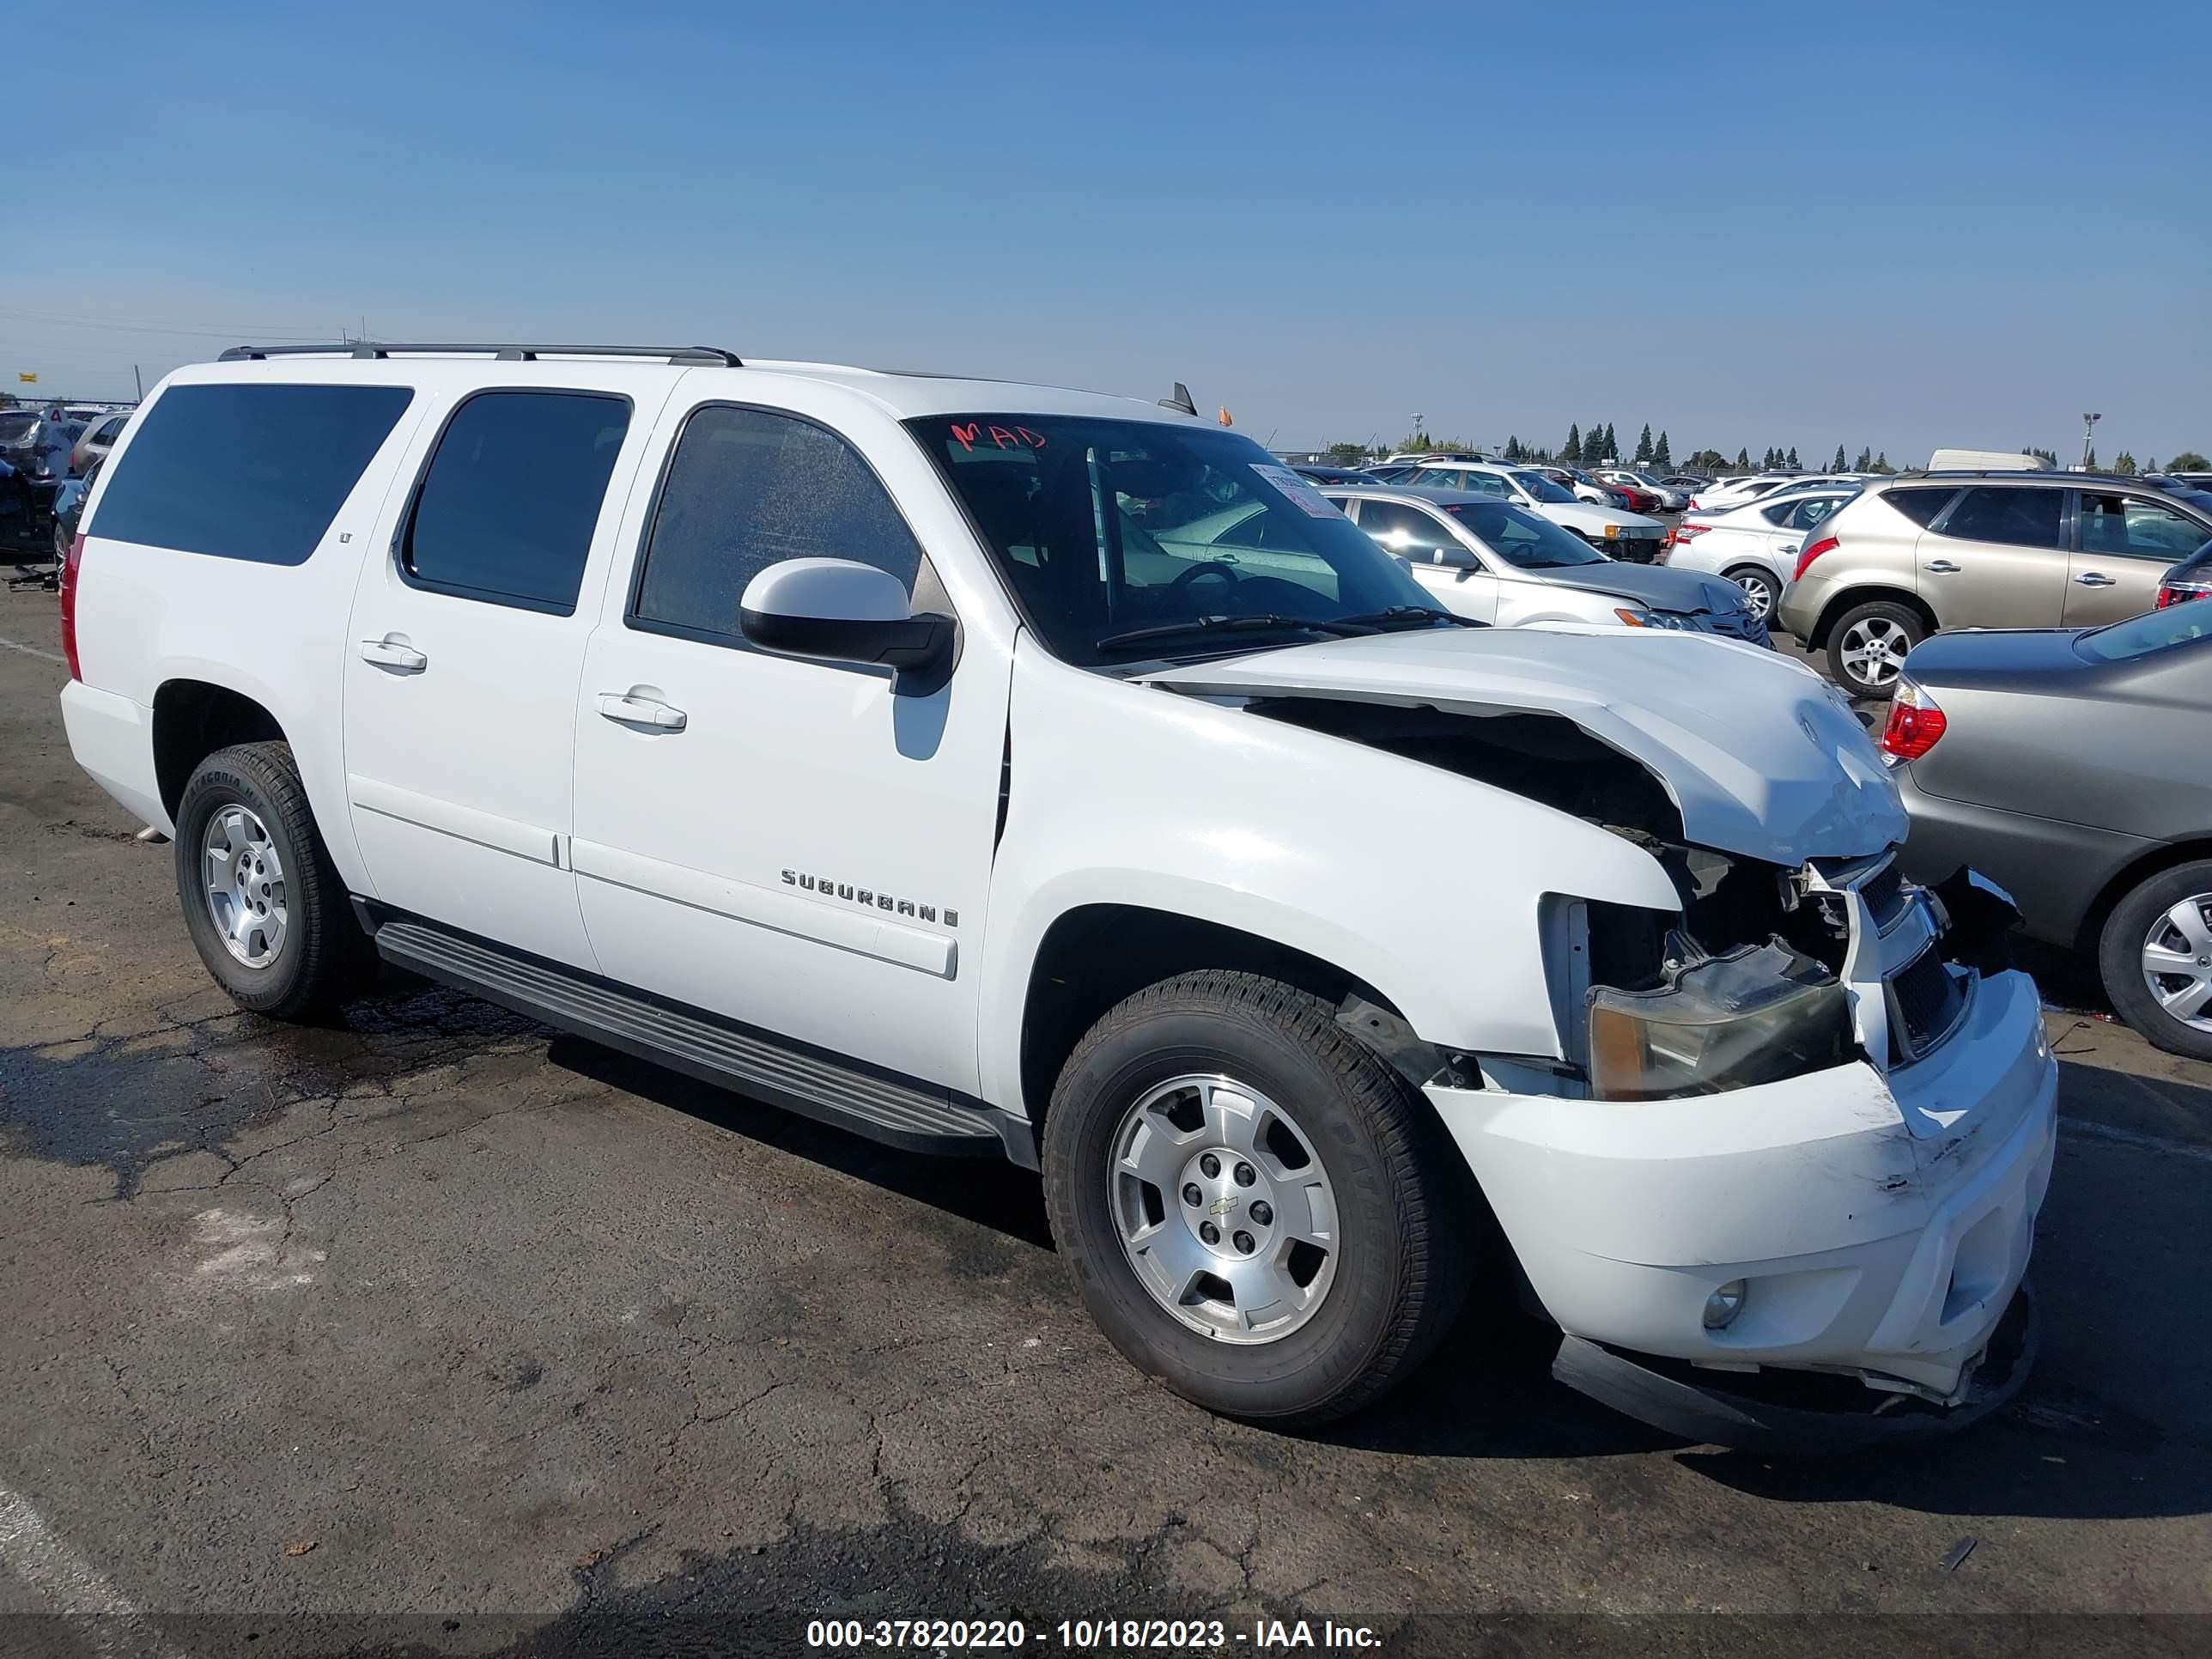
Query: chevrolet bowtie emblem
1221, 1206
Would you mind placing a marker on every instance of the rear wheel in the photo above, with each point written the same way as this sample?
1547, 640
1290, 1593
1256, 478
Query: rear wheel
266, 909
1761, 592
1257, 1209
2155, 958
1867, 647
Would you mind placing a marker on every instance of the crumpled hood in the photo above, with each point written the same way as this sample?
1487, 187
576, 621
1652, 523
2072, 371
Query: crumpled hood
1656, 585
1761, 757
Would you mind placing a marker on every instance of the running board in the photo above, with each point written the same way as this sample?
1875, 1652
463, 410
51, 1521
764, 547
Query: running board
898, 1114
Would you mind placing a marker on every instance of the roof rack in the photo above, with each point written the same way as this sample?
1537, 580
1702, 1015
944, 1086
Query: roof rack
712, 356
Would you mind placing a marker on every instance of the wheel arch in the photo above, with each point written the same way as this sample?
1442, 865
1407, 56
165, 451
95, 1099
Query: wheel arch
1096, 955
192, 719
2127, 878
1849, 600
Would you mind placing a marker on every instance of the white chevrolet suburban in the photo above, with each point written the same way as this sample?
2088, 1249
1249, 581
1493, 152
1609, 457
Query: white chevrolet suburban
875, 744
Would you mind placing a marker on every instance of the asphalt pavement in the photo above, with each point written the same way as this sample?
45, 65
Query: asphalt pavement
429, 1331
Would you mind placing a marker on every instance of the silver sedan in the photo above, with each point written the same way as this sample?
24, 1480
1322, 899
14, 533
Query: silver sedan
1484, 557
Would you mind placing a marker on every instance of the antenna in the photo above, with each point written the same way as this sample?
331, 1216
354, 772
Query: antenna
1180, 399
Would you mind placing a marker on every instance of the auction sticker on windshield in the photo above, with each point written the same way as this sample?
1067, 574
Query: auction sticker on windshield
1299, 490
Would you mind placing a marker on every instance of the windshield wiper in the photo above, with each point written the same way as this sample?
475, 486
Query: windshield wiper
1410, 616
1335, 628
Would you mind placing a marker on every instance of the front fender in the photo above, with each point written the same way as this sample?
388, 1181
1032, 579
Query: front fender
1422, 884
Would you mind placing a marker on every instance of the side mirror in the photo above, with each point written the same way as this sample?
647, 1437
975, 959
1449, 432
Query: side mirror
1458, 558
842, 610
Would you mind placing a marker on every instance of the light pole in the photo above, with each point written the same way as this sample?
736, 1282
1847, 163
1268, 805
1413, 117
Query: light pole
2089, 438
1416, 438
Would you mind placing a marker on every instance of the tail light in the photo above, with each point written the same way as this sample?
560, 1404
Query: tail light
1916, 723
70, 569
1688, 533
2181, 592
1813, 551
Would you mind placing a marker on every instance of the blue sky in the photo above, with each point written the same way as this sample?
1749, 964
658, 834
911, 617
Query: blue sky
1897, 227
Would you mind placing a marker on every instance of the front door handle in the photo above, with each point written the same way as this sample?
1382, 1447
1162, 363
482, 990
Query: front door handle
642, 711
2094, 579
386, 653
1943, 567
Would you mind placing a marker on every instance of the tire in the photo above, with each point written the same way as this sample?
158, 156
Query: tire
2156, 915
1401, 1202
298, 950
1896, 628
1762, 593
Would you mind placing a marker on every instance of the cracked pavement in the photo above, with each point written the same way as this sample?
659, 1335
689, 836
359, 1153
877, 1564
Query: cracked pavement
540, 1348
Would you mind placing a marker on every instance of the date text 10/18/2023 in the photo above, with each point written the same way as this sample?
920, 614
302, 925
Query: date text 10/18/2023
1090, 1635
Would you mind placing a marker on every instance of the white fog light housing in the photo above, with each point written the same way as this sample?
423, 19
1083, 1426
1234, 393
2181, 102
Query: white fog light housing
1724, 1305
1756, 1015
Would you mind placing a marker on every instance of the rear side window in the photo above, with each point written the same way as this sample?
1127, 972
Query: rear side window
1921, 506
747, 489
2010, 515
247, 471
2133, 525
1408, 531
508, 506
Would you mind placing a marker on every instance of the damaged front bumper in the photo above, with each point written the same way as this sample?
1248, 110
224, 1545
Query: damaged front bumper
1879, 1222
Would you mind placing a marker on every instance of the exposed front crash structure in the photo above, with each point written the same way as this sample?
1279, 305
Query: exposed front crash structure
1779, 1185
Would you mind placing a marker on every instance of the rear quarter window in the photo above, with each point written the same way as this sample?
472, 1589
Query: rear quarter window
247, 471
1921, 506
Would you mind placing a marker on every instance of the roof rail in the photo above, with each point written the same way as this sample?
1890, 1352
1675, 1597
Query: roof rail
712, 356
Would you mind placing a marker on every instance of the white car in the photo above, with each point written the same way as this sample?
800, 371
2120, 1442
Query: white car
884, 747
1614, 530
1670, 499
1735, 492
1755, 544
1486, 558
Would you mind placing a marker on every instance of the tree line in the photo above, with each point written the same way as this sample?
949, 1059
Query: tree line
1595, 445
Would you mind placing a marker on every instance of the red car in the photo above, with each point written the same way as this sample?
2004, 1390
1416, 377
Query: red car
1640, 499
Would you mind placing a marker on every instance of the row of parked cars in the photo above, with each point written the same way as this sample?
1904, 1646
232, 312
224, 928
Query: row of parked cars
43, 452
2031, 633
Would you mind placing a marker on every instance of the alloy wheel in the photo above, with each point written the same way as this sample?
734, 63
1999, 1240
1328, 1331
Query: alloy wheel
243, 885
1758, 595
1223, 1209
1875, 649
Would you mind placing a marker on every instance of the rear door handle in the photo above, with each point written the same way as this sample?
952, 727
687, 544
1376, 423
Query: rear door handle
385, 654
642, 711
2094, 579
1943, 567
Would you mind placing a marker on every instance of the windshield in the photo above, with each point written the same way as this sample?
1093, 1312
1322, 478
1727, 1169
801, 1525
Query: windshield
1102, 528
13, 428
1521, 539
2158, 630
1541, 489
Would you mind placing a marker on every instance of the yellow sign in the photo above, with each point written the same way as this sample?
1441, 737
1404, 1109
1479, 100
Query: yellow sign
27, 376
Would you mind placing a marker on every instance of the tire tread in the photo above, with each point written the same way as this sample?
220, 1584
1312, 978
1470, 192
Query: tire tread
336, 960
1433, 1256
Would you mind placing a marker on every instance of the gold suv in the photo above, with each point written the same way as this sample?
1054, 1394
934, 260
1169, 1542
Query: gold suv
1927, 551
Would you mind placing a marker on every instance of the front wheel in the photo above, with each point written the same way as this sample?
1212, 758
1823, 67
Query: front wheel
266, 908
1867, 646
2155, 958
1257, 1209
1761, 592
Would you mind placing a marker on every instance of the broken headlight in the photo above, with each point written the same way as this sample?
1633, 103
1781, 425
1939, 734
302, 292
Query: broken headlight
1757, 1015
